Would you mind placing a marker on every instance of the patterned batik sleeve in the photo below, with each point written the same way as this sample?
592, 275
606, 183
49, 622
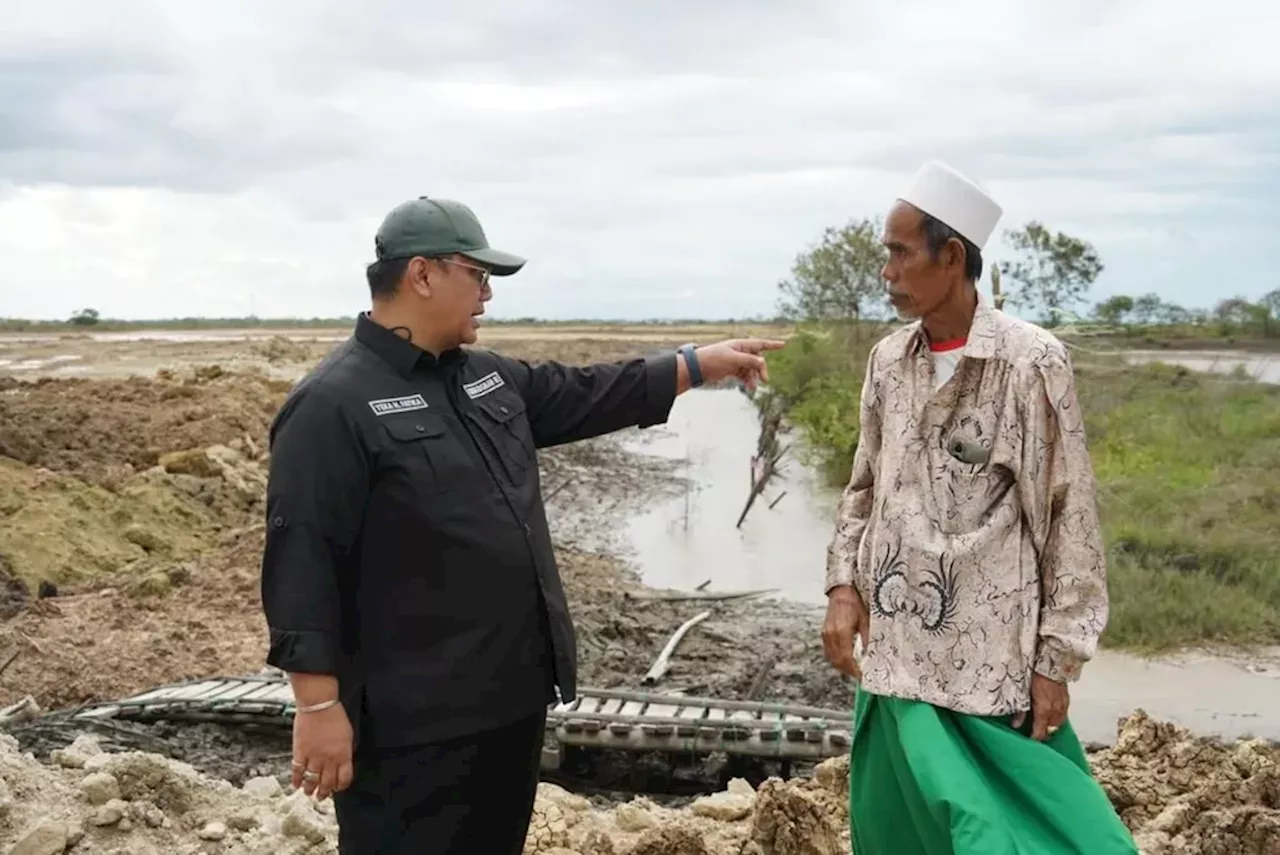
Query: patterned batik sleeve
855, 501
1059, 499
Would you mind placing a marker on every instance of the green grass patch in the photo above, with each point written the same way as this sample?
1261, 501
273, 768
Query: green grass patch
1188, 469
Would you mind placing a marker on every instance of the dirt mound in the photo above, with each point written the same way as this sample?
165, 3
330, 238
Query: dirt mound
103, 429
176, 621
74, 533
1183, 795
103, 802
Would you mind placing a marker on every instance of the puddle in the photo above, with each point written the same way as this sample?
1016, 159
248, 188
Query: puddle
1265, 368
690, 539
686, 541
40, 364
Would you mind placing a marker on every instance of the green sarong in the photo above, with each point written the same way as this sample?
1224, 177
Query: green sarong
924, 780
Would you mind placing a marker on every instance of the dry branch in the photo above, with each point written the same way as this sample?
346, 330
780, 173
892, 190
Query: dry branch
663, 662
707, 596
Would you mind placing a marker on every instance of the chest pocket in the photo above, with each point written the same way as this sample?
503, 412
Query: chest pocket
503, 420
967, 484
430, 456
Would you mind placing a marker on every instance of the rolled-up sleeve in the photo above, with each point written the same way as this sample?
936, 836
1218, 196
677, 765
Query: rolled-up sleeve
317, 483
568, 403
1058, 498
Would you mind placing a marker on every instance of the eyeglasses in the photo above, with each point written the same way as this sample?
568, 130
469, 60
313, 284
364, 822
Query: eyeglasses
483, 274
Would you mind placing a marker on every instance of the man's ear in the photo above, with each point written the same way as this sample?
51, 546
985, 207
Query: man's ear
953, 254
417, 275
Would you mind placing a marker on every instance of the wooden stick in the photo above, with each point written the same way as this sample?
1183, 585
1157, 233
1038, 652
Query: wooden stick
757, 684
682, 596
552, 494
774, 503
701, 587
663, 662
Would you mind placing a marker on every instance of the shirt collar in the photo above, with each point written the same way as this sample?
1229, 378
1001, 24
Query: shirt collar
981, 340
400, 353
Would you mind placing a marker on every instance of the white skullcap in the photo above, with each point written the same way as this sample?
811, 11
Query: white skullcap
945, 194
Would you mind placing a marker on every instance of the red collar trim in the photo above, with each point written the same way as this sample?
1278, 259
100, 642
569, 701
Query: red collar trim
944, 346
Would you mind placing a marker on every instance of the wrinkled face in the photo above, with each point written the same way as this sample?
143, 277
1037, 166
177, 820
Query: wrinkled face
454, 290
917, 284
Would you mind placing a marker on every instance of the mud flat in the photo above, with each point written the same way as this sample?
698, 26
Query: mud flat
130, 556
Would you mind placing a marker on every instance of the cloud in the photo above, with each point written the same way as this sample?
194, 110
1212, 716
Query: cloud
660, 159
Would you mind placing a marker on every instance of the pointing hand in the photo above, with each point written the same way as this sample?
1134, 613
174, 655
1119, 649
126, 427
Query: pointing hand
738, 357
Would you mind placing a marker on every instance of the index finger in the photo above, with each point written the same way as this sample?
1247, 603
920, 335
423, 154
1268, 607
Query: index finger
1039, 723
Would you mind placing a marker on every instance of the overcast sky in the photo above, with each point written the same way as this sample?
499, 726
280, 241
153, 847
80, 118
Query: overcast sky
651, 159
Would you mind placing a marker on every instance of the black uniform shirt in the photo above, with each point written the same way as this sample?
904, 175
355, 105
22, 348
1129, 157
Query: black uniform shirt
407, 549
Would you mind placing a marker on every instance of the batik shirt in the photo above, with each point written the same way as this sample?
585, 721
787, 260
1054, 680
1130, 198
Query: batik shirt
969, 526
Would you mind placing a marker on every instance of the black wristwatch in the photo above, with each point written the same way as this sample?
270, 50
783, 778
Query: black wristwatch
690, 354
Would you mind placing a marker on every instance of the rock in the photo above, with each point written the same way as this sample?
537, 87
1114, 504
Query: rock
77, 754
75, 833
300, 822
100, 787
548, 829
568, 802
733, 804
790, 821
634, 816
213, 831
190, 462
110, 814
833, 775
670, 840
243, 820
596, 842
153, 584
148, 540
47, 838
263, 788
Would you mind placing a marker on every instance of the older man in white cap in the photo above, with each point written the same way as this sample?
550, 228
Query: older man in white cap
968, 561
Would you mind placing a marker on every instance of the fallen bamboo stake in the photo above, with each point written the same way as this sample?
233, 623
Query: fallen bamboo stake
663, 662
681, 596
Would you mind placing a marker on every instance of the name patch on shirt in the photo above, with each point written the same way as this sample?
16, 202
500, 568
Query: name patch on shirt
483, 386
387, 406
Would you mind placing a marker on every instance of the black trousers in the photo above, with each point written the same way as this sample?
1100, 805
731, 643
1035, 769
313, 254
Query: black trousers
469, 795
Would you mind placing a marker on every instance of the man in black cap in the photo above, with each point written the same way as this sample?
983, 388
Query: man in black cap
408, 577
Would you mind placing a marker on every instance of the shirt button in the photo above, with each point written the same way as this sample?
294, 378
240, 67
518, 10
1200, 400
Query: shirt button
278, 522
419, 428
502, 410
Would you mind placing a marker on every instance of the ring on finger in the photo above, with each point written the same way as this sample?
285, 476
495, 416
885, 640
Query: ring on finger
310, 776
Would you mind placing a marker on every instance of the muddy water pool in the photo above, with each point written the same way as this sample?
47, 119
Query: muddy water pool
689, 538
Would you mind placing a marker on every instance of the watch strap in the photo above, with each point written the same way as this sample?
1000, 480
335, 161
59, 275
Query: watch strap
690, 354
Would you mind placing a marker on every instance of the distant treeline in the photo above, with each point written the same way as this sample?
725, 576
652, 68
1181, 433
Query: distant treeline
89, 319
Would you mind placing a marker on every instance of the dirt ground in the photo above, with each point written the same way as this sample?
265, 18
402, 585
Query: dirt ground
129, 556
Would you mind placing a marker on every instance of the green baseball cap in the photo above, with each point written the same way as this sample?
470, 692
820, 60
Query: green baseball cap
436, 227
